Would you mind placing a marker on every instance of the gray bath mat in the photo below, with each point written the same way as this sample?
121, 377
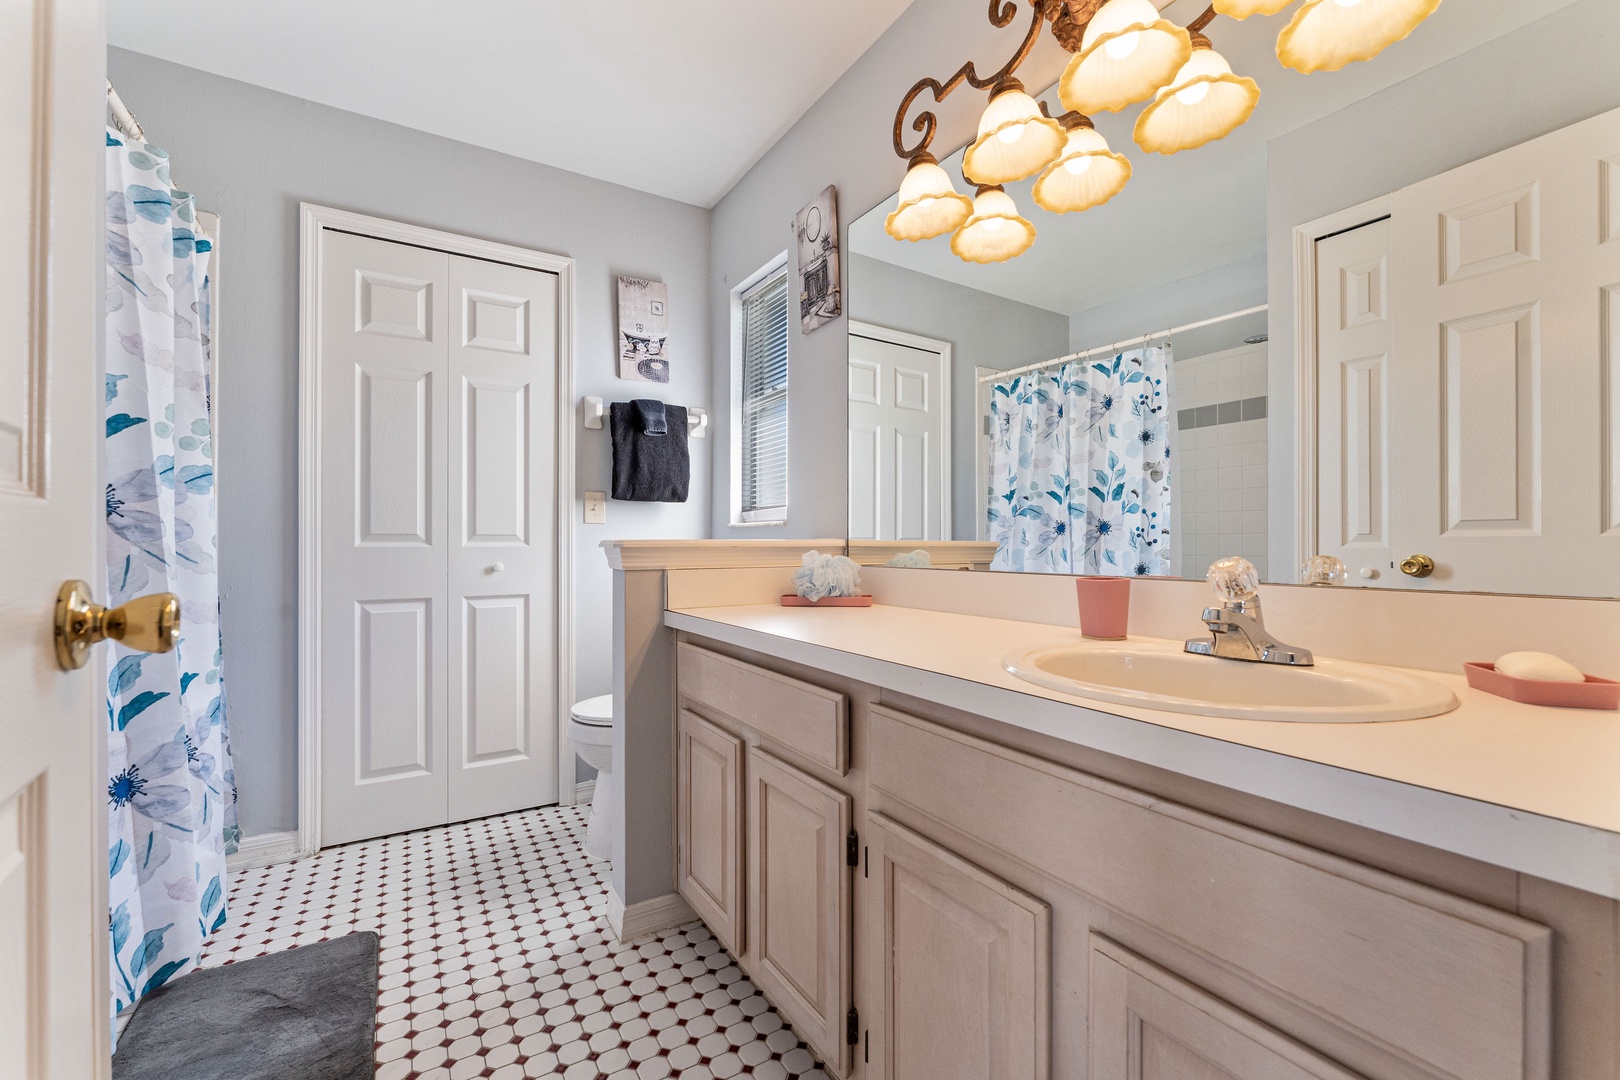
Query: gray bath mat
304, 1014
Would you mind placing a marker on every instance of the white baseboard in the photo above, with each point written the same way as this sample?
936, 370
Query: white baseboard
583, 791
262, 849
647, 916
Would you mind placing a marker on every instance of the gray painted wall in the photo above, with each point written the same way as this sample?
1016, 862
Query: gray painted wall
845, 140
252, 155
984, 330
1552, 73
1234, 287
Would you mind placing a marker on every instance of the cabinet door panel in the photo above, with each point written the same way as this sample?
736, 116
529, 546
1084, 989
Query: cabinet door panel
961, 960
708, 822
1147, 1024
799, 901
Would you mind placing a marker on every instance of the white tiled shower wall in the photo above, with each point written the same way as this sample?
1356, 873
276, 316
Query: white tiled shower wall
1218, 455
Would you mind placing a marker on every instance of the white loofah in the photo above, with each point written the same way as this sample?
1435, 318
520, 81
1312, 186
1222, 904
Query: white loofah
919, 559
822, 576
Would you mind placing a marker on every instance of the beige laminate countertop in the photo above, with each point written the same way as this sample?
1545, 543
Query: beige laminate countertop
1531, 788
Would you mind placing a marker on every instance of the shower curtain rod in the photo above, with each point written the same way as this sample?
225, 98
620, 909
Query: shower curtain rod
122, 118
1127, 343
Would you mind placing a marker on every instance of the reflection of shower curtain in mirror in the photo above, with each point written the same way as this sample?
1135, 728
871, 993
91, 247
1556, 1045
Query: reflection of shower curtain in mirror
1080, 467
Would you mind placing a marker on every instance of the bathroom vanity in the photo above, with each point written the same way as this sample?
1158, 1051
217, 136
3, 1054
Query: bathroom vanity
934, 869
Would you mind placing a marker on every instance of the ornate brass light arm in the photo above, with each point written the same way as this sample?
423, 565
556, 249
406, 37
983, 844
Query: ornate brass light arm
1001, 14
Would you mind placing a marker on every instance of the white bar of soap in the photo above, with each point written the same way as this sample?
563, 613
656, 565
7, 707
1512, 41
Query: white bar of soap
1540, 666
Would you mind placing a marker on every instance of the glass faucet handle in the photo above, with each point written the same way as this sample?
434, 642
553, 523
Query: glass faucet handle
1234, 579
1324, 570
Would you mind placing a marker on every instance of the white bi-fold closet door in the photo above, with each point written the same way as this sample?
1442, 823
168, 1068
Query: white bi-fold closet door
1468, 365
438, 554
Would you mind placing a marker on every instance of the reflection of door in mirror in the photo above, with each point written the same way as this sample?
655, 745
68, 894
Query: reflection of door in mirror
1461, 403
899, 435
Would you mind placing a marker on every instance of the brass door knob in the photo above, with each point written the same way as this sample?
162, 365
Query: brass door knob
1417, 566
147, 623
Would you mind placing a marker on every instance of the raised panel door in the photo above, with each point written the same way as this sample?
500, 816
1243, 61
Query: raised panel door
1145, 1023
383, 537
957, 966
503, 711
799, 897
709, 826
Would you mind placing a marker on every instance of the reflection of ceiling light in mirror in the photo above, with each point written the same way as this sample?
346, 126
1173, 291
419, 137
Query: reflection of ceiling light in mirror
1325, 35
1015, 139
1085, 175
1204, 102
930, 205
996, 232
1242, 9
1127, 53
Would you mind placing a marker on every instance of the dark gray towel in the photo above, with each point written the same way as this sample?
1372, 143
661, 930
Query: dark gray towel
649, 468
654, 419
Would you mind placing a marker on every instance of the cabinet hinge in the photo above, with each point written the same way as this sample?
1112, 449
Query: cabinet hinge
852, 849
852, 1026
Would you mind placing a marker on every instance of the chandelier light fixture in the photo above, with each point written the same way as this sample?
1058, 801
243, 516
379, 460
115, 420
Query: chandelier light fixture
1124, 52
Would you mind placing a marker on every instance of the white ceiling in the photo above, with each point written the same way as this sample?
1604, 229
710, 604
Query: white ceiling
1196, 211
675, 98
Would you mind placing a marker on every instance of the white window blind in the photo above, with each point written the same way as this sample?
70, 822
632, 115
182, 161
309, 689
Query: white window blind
764, 399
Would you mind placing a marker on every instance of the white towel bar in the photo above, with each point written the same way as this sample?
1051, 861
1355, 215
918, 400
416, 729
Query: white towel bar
697, 420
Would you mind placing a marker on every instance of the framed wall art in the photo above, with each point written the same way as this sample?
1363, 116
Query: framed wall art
643, 330
820, 287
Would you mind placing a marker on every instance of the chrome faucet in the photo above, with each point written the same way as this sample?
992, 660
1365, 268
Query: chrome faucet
1237, 631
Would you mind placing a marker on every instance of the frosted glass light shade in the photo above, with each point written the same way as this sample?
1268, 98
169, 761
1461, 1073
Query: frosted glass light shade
996, 232
1325, 35
1127, 53
930, 205
1015, 140
1242, 9
1085, 175
1204, 102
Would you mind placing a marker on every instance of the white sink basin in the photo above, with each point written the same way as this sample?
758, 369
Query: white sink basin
1157, 674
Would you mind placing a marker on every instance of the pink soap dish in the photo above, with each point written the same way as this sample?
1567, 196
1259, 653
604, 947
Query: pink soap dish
1594, 693
790, 600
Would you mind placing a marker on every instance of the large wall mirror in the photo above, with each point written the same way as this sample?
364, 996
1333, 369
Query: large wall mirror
1376, 322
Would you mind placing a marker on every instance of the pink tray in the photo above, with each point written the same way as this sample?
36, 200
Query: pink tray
1594, 693
791, 600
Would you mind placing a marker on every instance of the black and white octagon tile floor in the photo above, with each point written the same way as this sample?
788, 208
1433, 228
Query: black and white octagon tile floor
497, 961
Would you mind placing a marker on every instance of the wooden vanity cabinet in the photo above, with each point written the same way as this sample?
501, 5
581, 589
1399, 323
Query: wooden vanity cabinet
799, 901
1011, 917
709, 826
961, 962
762, 844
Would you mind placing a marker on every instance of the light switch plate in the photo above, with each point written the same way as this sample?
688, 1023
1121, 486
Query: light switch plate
596, 508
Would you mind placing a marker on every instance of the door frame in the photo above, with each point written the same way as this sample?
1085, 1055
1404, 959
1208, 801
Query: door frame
313, 219
1306, 391
857, 328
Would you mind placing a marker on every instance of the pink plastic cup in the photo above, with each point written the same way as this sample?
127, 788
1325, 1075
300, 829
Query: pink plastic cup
1105, 606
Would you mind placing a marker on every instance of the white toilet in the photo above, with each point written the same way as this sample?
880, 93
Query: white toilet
590, 726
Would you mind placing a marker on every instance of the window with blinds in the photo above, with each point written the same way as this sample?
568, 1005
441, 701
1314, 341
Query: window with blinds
764, 384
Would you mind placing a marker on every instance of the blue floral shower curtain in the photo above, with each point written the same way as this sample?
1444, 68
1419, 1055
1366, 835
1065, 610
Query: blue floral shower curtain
170, 789
1080, 468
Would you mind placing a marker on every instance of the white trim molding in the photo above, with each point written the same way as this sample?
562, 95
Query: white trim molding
263, 849
1306, 484
647, 917
313, 220
712, 554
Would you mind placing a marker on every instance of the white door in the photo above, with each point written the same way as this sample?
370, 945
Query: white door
1504, 275
1353, 337
54, 1002
437, 537
899, 436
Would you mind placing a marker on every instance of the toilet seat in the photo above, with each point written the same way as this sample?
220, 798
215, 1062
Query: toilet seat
594, 712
